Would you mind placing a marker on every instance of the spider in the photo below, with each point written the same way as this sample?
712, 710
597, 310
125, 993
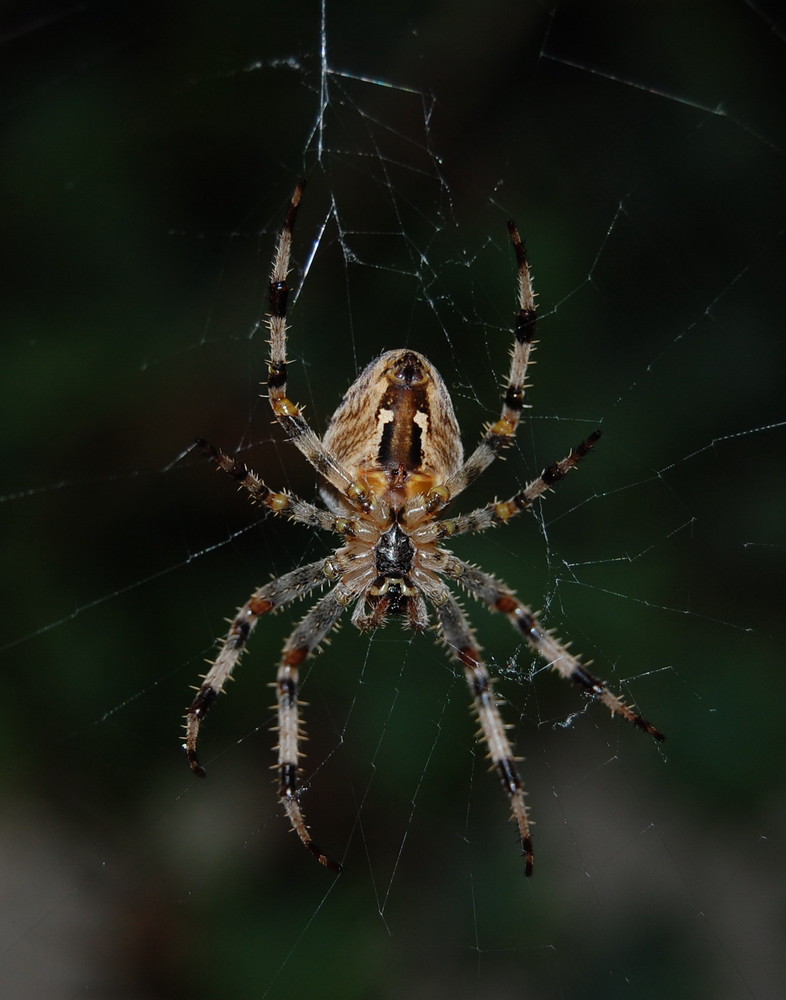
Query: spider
391, 462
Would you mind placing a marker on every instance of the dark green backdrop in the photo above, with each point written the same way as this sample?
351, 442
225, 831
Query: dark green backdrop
149, 152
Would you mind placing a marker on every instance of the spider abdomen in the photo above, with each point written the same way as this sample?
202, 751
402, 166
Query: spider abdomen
395, 429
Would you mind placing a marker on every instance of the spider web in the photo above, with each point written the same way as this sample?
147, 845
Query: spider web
150, 156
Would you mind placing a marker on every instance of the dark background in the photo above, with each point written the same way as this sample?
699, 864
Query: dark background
149, 153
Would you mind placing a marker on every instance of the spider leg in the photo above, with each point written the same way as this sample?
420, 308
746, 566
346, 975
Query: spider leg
303, 641
273, 595
501, 433
279, 503
499, 512
458, 634
287, 413
485, 588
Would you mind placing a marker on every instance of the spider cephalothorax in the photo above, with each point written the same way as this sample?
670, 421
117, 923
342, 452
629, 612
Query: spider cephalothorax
391, 461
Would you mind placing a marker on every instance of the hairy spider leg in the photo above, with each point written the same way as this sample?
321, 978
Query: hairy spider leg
287, 413
302, 643
459, 638
501, 433
501, 511
272, 596
495, 595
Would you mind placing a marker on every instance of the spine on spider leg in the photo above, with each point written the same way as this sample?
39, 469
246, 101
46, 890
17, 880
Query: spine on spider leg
278, 593
500, 750
260, 493
236, 470
290, 736
245, 478
501, 511
457, 634
197, 711
220, 671
547, 480
278, 299
487, 589
501, 433
557, 471
305, 640
565, 663
286, 412
596, 688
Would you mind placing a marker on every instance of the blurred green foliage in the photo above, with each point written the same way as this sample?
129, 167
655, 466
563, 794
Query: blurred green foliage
149, 153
